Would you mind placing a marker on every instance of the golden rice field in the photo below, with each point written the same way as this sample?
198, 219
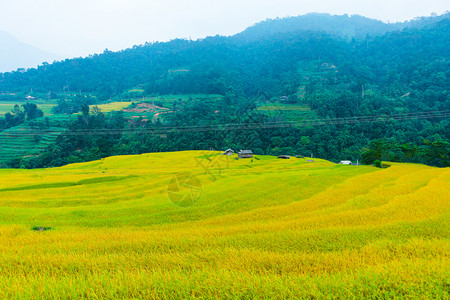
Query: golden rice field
113, 106
259, 229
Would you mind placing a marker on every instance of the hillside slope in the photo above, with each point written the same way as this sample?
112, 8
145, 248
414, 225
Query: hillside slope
21, 141
263, 58
344, 26
261, 228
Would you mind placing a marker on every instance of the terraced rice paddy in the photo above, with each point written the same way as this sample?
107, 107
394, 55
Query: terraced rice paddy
261, 228
27, 140
292, 113
168, 100
23, 141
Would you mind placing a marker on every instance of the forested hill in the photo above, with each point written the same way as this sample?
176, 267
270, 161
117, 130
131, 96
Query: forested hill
382, 96
344, 26
250, 65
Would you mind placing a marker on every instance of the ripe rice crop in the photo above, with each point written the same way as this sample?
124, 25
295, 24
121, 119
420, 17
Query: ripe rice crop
264, 228
113, 106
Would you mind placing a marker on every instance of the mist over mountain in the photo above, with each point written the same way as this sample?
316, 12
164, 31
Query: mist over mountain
343, 26
263, 57
15, 54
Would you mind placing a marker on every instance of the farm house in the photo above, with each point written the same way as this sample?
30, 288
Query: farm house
245, 154
228, 152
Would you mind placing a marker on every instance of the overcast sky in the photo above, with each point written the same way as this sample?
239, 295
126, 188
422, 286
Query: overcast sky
80, 27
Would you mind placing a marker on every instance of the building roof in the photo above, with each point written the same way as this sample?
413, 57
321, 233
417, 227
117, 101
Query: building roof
345, 162
246, 152
229, 150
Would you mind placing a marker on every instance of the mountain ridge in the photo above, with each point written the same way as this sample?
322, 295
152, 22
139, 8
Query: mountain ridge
15, 54
147, 65
344, 26
351, 26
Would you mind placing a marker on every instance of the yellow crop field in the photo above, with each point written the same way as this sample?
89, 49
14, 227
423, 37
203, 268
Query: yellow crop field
201, 225
113, 106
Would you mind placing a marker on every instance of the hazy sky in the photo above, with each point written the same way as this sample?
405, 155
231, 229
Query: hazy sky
80, 27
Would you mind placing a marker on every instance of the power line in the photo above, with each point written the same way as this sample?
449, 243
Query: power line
242, 126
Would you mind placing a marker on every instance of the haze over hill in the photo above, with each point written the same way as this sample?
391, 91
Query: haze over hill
317, 36
345, 26
15, 54
79, 28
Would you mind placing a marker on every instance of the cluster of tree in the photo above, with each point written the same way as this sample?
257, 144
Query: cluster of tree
233, 122
433, 152
73, 105
20, 114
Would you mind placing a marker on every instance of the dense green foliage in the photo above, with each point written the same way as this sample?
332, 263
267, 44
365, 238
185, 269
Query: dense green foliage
395, 73
95, 135
18, 116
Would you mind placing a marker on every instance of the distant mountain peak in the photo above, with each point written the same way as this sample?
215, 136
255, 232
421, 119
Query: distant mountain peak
15, 54
344, 26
